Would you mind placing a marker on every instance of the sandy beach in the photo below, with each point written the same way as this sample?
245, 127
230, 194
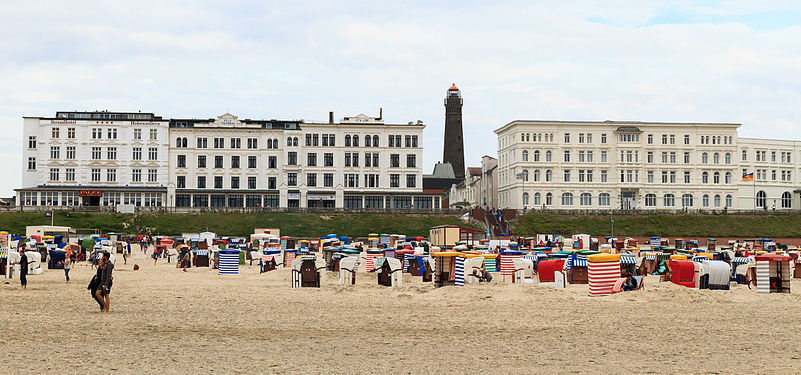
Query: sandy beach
163, 320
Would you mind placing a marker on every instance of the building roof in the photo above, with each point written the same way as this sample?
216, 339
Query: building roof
474, 171
453, 87
613, 123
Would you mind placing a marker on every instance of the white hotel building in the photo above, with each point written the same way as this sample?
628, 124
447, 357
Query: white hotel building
108, 159
643, 165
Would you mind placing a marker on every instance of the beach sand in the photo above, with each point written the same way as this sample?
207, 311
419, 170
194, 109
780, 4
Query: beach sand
163, 320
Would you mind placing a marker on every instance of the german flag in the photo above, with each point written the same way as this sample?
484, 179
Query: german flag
748, 176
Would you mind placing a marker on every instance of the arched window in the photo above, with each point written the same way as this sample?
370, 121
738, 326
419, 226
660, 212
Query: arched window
717, 200
289, 141
522, 137
603, 199
525, 175
525, 155
528, 137
536, 175
548, 176
728, 200
269, 143
787, 200
727, 158
761, 199
525, 199
178, 142
705, 178
537, 199
185, 142
567, 199
347, 140
275, 142
536, 155
669, 200
548, 155
687, 200
705, 200
716, 158
716, 178
728, 178
704, 158
549, 199
650, 200
295, 141
585, 199
375, 141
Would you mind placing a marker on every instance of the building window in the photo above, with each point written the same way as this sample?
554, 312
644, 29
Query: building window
536, 175
394, 160
200, 200
218, 200
111, 153
97, 133
272, 162
180, 182
292, 158
201, 161
292, 179
669, 200
727, 158
328, 179
411, 180
686, 158
95, 175
705, 200
218, 182
650, 200
202, 143
70, 174
71, 133
311, 179
152, 153
548, 175
218, 161
567, 156
567, 137
137, 134
687, 200
137, 153
717, 200
525, 155
728, 178
201, 182
253, 143
705, 177
355, 159
136, 175
525, 199
312, 157
55, 152
234, 182
181, 161
111, 175
235, 200
96, 153
251, 162
761, 199
604, 199
271, 183
716, 177
585, 199
394, 180
411, 161
70, 152
152, 175
328, 160
54, 174
567, 199
235, 162
728, 200
111, 133
567, 175
154, 134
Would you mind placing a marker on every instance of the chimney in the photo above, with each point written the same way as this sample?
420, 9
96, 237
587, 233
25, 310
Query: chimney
381, 113
331, 117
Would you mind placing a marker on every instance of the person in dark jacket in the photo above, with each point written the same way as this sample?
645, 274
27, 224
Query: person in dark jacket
23, 272
104, 289
95, 283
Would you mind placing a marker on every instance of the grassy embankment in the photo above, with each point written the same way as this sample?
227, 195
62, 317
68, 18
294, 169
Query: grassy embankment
236, 224
688, 225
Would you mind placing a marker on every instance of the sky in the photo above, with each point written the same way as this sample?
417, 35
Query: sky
694, 61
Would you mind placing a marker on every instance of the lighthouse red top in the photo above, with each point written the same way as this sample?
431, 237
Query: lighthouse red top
453, 87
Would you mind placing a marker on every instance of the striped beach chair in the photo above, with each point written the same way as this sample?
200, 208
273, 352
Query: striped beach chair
229, 262
459, 271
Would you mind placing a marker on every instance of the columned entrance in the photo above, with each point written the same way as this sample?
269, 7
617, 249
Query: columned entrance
628, 200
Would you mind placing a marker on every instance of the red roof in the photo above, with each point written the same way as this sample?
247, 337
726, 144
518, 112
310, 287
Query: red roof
453, 87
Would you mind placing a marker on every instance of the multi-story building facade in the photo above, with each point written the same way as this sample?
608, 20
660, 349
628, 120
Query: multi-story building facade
108, 159
478, 189
643, 165
360, 162
94, 159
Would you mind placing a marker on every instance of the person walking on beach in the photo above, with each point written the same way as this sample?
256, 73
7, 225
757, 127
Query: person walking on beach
67, 266
95, 283
23, 272
104, 289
